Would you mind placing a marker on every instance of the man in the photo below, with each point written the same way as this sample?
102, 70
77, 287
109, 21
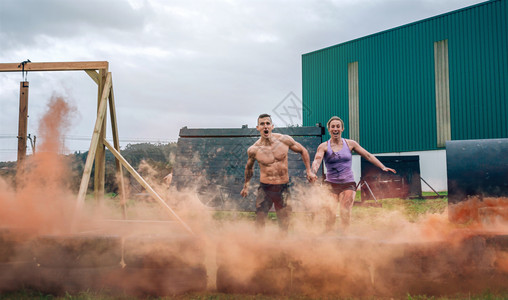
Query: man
271, 153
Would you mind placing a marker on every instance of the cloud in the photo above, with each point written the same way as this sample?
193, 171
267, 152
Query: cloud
199, 63
26, 20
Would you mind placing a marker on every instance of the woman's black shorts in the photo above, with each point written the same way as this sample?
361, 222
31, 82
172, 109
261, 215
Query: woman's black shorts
338, 188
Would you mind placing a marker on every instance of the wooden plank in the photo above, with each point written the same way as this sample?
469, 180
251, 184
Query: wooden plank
147, 187
94, 75
55, 66
116, 144
22, 124
100, 155
93, 146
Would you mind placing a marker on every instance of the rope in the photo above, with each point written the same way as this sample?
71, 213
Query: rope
24, 75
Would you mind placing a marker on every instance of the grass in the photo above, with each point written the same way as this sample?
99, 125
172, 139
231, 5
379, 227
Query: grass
413, 209
417, 208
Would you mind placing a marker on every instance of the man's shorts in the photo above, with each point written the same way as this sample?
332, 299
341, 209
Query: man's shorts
268, 194
337, 188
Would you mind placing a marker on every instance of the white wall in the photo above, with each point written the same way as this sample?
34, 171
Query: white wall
432, 168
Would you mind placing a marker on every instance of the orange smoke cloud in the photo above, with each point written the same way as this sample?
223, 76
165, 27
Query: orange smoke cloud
383, 255
481, 213
41, 201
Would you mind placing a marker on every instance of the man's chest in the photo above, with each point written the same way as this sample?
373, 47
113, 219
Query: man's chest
272, 154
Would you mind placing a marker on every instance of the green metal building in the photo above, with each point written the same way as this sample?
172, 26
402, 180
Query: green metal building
413, 87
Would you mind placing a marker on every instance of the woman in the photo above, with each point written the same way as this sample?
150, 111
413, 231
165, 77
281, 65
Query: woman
337, 154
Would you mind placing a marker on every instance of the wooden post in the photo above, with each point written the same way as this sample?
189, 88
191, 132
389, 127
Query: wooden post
23, 124
116, 144
100, 154
93, 145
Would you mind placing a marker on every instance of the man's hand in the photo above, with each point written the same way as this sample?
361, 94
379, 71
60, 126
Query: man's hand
245, 191
311, 177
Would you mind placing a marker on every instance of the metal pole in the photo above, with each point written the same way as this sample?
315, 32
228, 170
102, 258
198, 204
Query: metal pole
430, 187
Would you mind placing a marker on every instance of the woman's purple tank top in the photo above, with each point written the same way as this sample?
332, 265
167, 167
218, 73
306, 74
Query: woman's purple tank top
338, 164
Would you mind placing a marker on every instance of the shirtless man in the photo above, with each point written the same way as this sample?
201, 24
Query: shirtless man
271, 153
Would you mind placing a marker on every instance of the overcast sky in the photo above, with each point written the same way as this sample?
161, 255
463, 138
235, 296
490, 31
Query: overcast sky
177, 63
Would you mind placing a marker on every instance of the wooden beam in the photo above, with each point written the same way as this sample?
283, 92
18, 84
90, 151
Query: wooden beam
94, 75
116, 144
100, 154
147, 187
93, 145
55, 66
22, 125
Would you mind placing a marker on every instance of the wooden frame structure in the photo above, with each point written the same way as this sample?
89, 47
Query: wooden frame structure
98, 71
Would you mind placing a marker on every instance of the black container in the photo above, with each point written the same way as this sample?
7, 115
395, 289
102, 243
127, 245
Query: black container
405, 183
477, 168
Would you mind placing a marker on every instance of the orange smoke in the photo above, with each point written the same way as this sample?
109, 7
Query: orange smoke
41, 201
481, 212
384, 254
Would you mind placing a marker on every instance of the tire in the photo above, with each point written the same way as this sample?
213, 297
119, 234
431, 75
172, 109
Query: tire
77, 251
142, 282
58, 281
163, 252
16, 276
14, 245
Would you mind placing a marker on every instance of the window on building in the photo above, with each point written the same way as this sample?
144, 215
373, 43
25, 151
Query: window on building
442, 86
354, 108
